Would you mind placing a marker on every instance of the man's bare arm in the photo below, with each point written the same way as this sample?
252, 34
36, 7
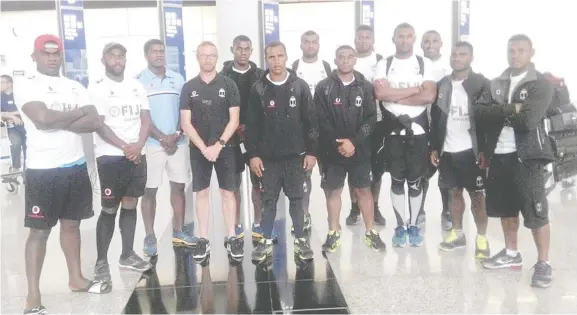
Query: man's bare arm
85, 124
427, 96
188, 128
109, 136
384, 92
229, 130
47, 119
145, 126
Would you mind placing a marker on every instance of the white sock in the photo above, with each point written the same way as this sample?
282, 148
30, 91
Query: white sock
512, 253
459, 232
256, 224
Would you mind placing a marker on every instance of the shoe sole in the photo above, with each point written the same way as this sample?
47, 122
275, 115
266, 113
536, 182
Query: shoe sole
445, 249
541, 286
332, 249
416, 244
126, 267
511, 266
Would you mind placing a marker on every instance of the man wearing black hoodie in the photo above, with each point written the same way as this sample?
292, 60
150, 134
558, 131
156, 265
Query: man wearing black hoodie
244, 73
282, 138
347, 116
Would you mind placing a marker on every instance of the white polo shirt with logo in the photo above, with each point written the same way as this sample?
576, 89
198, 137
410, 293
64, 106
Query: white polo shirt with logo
120, 103
48, 149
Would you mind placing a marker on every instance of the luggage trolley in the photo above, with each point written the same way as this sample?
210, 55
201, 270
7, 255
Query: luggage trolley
9, 179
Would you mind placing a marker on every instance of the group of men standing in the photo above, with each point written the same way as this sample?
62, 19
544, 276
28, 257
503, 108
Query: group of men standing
406, 114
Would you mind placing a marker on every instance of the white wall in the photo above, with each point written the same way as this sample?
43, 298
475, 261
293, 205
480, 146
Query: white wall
199, 24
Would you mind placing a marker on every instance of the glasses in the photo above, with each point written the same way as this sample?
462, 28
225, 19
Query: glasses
210, 57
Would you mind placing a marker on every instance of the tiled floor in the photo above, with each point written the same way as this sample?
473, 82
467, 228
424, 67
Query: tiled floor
355, 279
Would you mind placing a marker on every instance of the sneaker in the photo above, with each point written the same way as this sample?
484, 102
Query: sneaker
400, 237
262, 250
333, 242
374, 241
202, 249
542, 276
134, 262
183, 239
353, 217
257, 232
302, 249
37, 310
149, 248
379, 219
102, 271
307, 224
415, 236
239, 231
502, 260
446, 221
421, 219
453, 241
482, 250
235, 247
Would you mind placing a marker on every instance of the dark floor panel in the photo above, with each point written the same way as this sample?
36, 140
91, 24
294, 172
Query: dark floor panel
307, 295
317, 311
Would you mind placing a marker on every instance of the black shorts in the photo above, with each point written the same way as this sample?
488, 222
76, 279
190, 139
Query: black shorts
57, 193
513, 186
286, 174
407, 157
377, 166
333, 175
460, 170
119, 178
225, 167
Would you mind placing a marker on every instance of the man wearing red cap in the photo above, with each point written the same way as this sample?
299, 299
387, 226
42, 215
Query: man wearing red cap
55, 110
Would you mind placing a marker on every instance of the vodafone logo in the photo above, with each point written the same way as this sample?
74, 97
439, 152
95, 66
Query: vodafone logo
36, 213
107, 191
35, 210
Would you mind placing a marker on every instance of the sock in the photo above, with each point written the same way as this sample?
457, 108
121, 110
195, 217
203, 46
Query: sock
104, 232
481, 235
398, 200
376, 206
445, 199
127, 224
354, 206
415, 199
256, 224
459, 232
512, 253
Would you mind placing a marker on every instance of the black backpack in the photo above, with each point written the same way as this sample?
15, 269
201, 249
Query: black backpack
327, 66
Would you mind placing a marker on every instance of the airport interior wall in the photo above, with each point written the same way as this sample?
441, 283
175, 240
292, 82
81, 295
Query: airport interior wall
548, 23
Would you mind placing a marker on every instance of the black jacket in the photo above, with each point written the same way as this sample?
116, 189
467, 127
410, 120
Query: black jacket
475, 85
345, 112
535, 93
244, 82
281, 120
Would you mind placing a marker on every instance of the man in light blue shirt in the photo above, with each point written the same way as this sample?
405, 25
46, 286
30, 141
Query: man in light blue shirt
166, 149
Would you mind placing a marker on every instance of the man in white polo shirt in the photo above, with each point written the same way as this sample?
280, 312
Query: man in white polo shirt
123, 105
55, 110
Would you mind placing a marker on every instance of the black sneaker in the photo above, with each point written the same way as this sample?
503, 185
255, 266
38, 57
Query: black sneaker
446, 221
502, 260
37, 310
303, 250
453, 241
542, 276
235, 247
379, 219
333, 242
102, 271
134, 262
374, 241
262, 250
202, 249
353, 217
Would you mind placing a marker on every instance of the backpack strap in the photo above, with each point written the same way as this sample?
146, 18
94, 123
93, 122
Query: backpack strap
327, 67
389, 63
421, 65
295, 65
379, 57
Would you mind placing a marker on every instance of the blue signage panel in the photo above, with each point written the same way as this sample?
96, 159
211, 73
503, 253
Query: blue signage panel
71, 17
270, 22
464, 19
367, 13
172, 32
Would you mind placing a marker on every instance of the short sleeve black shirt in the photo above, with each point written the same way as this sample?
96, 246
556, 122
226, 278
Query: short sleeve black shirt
209, 104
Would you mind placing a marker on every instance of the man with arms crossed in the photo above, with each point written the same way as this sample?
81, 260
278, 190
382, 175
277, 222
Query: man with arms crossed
209, 115
244, 73
347, 116
123, 106
366, 64
458, 146
166, 148
404, 82
55, 110
518, 150
282, 138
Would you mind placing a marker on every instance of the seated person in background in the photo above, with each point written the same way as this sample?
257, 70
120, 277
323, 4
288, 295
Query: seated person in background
11, 115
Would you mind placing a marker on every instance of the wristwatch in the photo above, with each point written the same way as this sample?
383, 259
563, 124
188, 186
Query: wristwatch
222, 142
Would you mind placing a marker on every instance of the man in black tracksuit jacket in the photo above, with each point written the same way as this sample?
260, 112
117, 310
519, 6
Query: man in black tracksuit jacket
281, 141
518, 149
244, 73
347, 116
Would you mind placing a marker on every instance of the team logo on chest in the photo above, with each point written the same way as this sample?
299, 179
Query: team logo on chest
221, 93
338, 101
293, 101
358, 101
193, 94
136, 93
271, 104
523, 95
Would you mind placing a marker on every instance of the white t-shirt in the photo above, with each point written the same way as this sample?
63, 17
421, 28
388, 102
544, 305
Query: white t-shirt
404, 73
312, 73
506, 143
49, 149
367, 66
440, 68
457, 138
120, 103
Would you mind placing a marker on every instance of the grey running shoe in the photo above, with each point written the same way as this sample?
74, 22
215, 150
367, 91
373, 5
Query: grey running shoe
102, 271
134, 262
502, 260
353, 217
262, 250
453, 241
542, 276
150, 246
303, 249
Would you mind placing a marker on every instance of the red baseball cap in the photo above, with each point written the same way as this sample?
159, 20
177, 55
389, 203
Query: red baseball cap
47, 41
